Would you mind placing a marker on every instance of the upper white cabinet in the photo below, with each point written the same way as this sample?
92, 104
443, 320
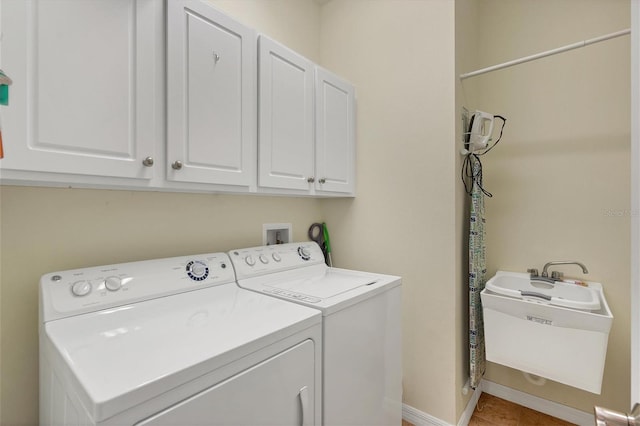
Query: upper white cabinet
335, 134
211, 96
243, 114
286, 132
83, 99
306, 124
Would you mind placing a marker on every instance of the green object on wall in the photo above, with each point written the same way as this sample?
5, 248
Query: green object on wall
5, 82
4, 94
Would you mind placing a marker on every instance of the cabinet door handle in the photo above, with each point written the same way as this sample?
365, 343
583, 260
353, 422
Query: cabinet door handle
304, 405
176, 165
311, 179
322, 180
147, 162
216, 57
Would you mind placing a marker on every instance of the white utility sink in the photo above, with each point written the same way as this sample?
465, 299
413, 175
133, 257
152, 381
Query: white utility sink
558, 293
554, 330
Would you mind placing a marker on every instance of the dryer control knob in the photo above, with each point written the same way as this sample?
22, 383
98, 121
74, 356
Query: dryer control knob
276, 257
81, 288
113, 283
264, 259
197, 270
250, 260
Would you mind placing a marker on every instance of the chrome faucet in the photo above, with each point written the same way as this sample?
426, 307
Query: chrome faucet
563, 262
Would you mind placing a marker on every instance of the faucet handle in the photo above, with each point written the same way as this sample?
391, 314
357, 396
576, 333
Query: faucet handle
533, 272
557, 275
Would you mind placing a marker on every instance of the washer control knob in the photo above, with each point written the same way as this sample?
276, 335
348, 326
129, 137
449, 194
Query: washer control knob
276, 257
113, 283
264, 259
250, 260
304, 253
81, 288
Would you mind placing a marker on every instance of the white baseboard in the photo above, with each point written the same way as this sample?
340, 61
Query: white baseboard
471, 406
420, 418
571, 415
551, 408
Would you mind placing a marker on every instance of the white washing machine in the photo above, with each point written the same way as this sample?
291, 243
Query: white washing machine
174, 342
362, 368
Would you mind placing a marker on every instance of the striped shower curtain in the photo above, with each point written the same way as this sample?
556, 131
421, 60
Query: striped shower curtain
477, 271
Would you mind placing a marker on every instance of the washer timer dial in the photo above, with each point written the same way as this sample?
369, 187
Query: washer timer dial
197, 270
304, 253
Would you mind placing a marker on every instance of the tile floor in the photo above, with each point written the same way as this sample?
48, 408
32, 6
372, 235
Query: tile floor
493, 411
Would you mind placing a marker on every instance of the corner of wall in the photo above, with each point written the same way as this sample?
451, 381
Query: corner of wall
466, 29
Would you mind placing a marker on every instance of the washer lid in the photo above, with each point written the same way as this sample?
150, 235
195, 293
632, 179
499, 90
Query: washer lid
320, 287
124, 356
326, 283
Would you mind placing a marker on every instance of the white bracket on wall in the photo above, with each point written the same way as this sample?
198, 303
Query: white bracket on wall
464, 117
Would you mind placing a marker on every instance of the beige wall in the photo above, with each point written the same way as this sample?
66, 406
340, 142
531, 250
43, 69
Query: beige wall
560, 177
44, 230
294, 23
400, 56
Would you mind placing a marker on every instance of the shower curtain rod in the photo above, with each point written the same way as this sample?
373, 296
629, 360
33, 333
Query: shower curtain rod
562, 49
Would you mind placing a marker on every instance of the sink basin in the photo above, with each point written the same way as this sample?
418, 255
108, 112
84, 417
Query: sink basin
522, 286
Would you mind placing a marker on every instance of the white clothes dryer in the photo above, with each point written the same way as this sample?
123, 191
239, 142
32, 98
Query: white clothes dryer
362, 339
174, 342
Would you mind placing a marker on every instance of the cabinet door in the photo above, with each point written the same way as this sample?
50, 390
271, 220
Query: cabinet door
335, 133
285, 99
83, 99
211, 96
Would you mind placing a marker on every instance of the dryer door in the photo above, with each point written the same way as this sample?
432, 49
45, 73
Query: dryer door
278, 391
